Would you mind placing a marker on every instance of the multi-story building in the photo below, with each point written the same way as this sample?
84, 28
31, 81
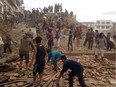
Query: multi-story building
103, 25
113, 30
11, 7
100, 25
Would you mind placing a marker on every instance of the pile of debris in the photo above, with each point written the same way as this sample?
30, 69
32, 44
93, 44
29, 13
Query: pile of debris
97, 73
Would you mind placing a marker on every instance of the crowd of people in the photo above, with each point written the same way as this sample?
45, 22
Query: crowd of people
39, 51
38, 60
55, 26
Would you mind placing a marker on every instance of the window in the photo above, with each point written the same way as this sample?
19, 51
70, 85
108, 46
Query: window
103, 27
107, 22
98, 26
108, 27
103, 22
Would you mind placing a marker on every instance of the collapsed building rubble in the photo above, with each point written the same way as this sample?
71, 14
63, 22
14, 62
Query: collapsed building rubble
97, 73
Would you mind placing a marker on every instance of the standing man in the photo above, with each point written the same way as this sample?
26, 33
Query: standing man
57, 37
108, 41
76, 70
7, 44
24, 50
90, 39
70, 44
101, 43
86, 38
96, 36
54, 56
39, 57
50, 37
77, 35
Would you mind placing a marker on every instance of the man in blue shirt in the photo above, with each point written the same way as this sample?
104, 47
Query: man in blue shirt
54, 56
76, 70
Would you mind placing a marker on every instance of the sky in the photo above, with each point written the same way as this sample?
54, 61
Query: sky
85, 10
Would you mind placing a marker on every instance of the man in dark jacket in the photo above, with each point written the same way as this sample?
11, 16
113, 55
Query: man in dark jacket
76, 70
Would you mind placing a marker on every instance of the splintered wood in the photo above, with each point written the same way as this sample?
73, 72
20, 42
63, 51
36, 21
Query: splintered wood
97, 73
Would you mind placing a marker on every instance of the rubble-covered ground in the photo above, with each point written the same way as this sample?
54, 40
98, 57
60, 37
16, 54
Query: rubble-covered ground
97, 73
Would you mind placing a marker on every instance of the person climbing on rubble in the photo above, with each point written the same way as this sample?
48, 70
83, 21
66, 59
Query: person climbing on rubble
109, 42
7, 44
57, 37
39, 57
24, 50
44, 24
58, 24
1, 47
37, 27
76, 70
101, 43
80, 31
90, 38
70, 44
86, 38
50, 37
54, 56
96, 36
77, 35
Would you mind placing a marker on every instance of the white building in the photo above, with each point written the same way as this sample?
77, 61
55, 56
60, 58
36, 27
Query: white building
103, 25
11, 7
100, 25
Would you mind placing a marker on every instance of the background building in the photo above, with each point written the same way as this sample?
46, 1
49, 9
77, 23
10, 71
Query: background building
103, 25
11, 8
100, 25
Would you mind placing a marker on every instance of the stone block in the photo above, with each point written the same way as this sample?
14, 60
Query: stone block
112, 81
101, 83
20, 84
12, 78
13, 85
